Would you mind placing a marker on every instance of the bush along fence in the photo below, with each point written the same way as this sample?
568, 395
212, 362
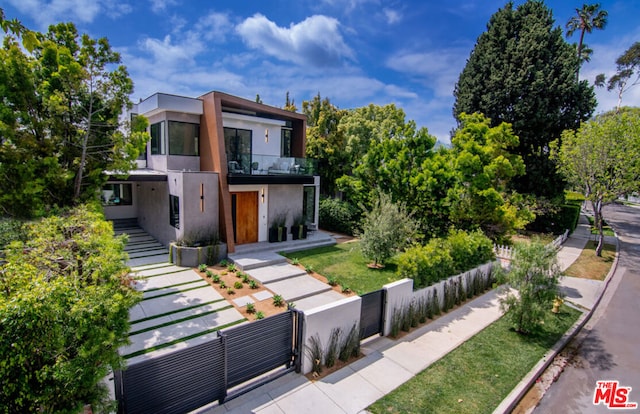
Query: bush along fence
407, 308
506, 252
330, 331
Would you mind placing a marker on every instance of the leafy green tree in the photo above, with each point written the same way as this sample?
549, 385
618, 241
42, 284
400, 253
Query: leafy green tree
325, 143
628, 66
534, 274
484, 166
522, 72
587, 18
289, 104
603, 158
59, 121
386, 229
13, 26
64, 300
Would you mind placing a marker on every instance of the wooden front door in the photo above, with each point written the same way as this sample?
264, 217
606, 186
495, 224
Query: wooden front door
244, 207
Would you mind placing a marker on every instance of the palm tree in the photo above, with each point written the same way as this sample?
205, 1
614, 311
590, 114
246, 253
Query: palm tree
588, 18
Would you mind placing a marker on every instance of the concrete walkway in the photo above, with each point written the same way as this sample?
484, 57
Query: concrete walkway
388, 363
263, 263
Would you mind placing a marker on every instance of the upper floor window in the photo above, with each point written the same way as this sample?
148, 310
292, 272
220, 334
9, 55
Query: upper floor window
183, 138
237, 143
157, 138
285, 143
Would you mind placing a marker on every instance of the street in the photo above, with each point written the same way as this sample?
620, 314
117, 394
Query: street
610, 350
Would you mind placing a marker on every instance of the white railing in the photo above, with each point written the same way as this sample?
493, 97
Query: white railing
506, 252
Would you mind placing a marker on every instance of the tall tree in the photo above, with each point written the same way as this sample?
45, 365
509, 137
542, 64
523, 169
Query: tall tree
603, 158
290, 104
587, 18
325, 143
60, 126
522, 72
628, 66
484, 166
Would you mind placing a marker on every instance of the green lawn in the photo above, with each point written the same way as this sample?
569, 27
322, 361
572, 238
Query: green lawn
480, 373
345, 263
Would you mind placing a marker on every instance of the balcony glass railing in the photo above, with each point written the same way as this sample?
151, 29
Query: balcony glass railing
272, 165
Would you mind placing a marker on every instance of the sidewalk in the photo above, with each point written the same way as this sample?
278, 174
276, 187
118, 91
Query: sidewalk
388, 363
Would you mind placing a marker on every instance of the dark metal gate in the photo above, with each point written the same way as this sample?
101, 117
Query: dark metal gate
190, 378
372, 313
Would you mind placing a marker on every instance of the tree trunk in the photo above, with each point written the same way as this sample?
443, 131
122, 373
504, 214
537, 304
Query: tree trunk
597, 218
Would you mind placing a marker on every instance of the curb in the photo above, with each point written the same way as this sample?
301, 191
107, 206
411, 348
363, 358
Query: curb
511, 401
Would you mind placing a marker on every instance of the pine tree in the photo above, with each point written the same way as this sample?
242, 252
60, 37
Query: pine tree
522, 71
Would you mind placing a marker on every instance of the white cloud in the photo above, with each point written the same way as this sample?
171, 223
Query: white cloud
83, 11
438, 70
392, 16
159, 6
316, 41
214, 27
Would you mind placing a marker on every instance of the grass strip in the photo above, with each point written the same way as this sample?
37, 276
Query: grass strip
186, 338
177, 284
176, 311
480, 373
590, 266
173, 322
174, 292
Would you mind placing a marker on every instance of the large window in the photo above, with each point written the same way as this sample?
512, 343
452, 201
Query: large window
183, 138
157, 139
309, 204
174, 211
116, 195
237, 143
285, 143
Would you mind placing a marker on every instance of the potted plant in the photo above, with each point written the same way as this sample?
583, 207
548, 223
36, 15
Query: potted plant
201, 246
298, 228
277, 230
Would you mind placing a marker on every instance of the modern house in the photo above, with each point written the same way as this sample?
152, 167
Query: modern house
217, 163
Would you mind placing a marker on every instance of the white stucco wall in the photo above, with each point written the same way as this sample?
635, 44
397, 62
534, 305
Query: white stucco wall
322, 320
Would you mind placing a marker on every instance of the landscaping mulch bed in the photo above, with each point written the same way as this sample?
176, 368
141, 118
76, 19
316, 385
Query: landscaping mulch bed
265, 306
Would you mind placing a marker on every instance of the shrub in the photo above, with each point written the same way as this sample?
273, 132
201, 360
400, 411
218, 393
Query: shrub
337, 215
333, 348
251, 308
332, 281
259, 315
308, 269
253, 284
11, 230
442, 258
208, 273
346, 289
237, 285
232, 267
295, 261
351, 344
386, 229
224, 262
216, 279
245, 278
278, 300
534, 273
315, 353
230, 291
223, 285
202, 267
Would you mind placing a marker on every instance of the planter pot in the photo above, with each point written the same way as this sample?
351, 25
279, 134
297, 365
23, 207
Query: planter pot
193, 256
277, 234
299, 232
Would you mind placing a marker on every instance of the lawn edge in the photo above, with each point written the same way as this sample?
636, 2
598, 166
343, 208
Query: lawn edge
514, 397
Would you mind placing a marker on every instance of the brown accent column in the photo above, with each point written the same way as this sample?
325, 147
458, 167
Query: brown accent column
213, 157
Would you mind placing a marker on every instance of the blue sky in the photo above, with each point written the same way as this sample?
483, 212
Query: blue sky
355, 52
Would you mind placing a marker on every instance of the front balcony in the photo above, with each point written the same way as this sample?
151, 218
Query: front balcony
271, 169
